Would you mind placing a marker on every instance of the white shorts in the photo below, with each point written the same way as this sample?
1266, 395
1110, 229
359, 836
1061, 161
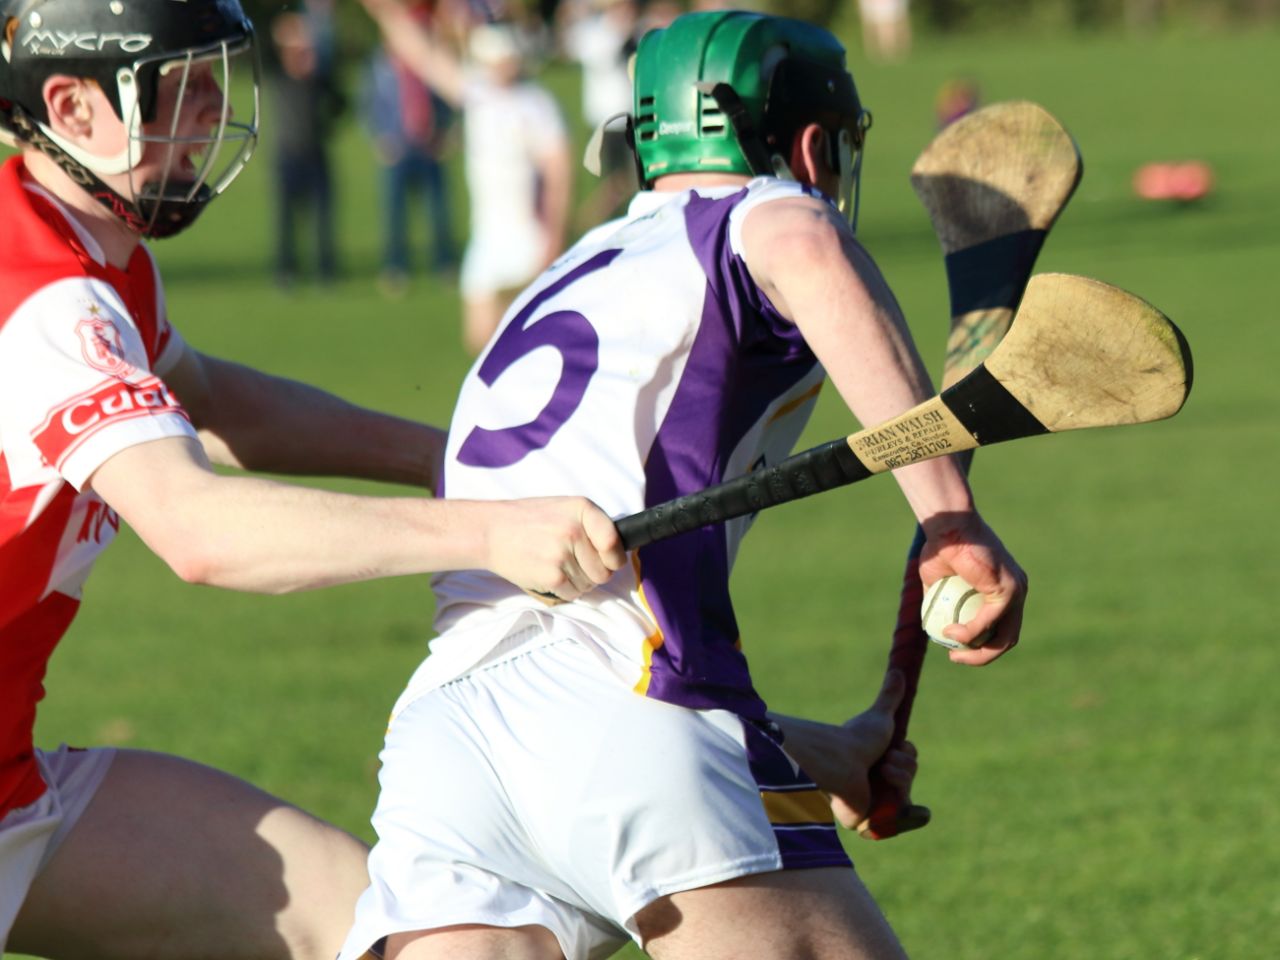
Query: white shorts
497, 261
30, 835
540, 790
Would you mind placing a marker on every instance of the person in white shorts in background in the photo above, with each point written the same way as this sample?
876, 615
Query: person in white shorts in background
558, 781
125, 853
516, 157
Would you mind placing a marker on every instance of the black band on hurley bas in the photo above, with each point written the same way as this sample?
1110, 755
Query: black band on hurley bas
824, 467
989, 411
970, 271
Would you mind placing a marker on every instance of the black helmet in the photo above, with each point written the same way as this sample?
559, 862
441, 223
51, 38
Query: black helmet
127, 47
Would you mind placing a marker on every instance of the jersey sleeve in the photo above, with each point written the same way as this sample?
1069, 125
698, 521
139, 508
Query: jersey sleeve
76, 382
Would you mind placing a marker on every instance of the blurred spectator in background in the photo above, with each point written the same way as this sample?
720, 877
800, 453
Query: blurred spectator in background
324, 34
600, 36
410, 127
886, 28
516, 152
305, 101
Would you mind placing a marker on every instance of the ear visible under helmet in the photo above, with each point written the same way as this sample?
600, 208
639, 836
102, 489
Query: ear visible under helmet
129, 48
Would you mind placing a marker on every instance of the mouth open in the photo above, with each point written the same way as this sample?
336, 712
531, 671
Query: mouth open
192, 161
205, 126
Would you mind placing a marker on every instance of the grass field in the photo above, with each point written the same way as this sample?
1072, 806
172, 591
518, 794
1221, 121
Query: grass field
1110, 791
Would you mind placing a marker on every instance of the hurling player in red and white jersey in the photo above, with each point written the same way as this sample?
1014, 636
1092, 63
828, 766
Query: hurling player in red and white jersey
124, 118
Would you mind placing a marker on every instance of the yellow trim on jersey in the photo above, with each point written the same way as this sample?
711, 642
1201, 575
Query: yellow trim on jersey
799, 401
799, 806
651, 642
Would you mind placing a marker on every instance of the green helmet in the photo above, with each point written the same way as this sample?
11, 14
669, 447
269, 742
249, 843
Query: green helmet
726, 91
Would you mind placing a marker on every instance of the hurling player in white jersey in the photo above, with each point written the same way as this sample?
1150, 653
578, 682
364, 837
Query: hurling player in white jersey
128, 123
558, 780
516, 150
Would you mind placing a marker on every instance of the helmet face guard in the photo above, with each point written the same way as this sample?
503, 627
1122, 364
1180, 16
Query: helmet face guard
156, 63
196, 167
727, 91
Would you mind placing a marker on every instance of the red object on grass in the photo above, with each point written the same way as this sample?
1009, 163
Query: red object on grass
1183, 182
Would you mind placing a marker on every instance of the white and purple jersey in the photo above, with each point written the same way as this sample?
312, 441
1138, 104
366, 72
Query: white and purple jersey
643, 365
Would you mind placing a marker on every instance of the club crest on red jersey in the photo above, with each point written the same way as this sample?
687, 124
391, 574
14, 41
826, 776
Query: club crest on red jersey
103, 346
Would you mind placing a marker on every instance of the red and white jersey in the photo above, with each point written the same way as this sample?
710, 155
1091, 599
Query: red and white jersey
82, 349
643, 365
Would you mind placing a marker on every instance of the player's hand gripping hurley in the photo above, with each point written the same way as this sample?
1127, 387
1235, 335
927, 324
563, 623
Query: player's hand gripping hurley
993, 184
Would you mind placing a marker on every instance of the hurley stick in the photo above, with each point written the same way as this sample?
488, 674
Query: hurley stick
993, 183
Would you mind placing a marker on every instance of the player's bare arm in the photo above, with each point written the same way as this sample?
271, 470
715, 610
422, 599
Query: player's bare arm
840, 756
806, 259
421, 51
255, 421
253, 534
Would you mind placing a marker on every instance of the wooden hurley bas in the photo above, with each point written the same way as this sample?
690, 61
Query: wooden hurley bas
1081, 353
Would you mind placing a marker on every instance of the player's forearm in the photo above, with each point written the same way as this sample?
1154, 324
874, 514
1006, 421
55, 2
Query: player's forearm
873, 364
354, 443
245, 533
255, 421
937, 492
249, 533
838, 298
821, 749
839, 758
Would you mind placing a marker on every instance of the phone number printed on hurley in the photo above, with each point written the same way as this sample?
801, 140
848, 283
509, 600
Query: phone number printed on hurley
914, 438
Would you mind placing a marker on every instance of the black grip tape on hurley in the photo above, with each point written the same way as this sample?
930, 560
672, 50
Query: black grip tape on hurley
830, 465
